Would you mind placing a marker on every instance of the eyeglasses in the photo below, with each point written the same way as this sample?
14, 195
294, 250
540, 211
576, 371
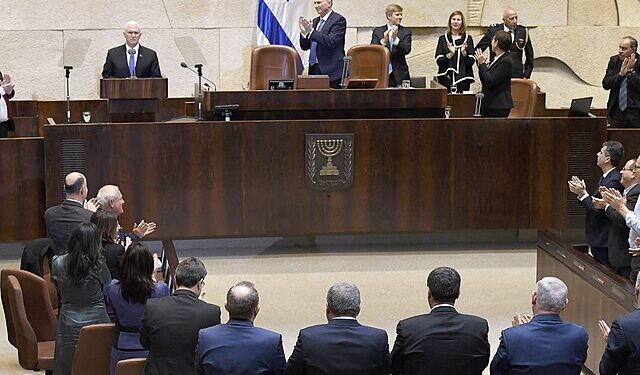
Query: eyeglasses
202, 281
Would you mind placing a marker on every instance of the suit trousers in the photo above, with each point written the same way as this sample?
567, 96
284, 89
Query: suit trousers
601, 254
629, 118
495, 112
314, 70
4, 130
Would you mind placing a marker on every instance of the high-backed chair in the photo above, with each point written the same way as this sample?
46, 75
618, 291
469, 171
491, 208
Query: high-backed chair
524, 93
369, 61
130, 366
33, 354
93, 353
37, 303
272, 62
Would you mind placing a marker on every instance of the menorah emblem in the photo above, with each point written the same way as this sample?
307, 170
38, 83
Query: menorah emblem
329, 148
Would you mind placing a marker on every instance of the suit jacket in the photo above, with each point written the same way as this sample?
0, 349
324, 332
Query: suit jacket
113, 254
612, 80
441, 342
544, 346
330, 47
398, 53
60, 221
169, 330
117, 66
239, 348
622, 354
596, 225
496, 83
618, 243
341, 347
521, 42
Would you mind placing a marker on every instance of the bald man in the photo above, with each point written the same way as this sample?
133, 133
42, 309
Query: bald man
75, 209
520, 42
131, 59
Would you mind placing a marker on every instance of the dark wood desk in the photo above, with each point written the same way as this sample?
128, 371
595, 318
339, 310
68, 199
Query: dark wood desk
630, 139
463, 105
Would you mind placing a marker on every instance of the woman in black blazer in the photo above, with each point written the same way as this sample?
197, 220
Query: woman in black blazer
113, 252
496, 77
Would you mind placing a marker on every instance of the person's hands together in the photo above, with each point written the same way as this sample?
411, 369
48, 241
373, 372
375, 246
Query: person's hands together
143, 228
577, 186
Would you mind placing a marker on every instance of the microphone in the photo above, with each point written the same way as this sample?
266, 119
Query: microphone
199, 66
479, 97
67, 68
208, 86
132, 52
345, 70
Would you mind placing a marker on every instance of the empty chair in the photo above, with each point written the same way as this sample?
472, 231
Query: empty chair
272, 63
130, 366
93, 353
33, 354
369, 61
524, 94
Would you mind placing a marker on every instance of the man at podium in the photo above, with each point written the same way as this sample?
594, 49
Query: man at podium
131, 59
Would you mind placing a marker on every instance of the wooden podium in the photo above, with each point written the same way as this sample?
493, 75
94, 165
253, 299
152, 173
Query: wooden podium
133, 99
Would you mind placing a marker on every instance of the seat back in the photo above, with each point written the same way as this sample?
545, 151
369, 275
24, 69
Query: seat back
93, 352
524, 94
369, 61
272, 62
130, 366
24, 335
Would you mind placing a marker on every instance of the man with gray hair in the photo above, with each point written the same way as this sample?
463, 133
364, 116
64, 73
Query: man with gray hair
239, 347
110, 199
343, 346
543, 344
131, 60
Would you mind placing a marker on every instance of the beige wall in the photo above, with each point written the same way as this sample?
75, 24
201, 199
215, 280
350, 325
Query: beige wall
572, 39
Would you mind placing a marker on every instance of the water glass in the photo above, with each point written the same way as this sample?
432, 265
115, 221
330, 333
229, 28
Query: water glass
86, 116
447, 111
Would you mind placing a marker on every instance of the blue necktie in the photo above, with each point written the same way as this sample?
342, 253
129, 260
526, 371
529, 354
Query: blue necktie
132, 65
622, 97
390, 49
313, 58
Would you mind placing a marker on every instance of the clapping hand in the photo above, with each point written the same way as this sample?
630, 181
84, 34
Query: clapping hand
577, 186
305, 25
463, 49
143, 228
604, 329
520, 319
7, 84
480, 57
614, 198
92, 204
598, 203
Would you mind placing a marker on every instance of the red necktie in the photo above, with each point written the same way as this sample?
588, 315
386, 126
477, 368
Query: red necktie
9, 109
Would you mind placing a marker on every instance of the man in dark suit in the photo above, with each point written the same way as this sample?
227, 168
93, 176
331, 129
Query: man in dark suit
239, 347
324, 37
443, 341
496, 78
343, 346
6, 114
397, 39
519, 41
543, 344
596, 222
623, 82
131, 59
75, 209
170, 325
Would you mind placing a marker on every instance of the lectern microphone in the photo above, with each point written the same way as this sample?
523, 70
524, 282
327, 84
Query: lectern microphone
184, 65
67, 69
345, 71
478, 110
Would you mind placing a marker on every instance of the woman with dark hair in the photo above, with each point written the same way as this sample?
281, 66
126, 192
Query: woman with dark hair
496, 77
81, 277
127, 297
107, 222
454, 55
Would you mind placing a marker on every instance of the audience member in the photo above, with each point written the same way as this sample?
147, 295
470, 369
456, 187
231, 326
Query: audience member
496, 78
397, 39
131, 59
324, 38
170, 325
75, 209
518, 40
443, 341
80, 277
127, 297
239, 347
623, 82
454, 55
6, 113
545, 344
597, 224
113, 252
343, 346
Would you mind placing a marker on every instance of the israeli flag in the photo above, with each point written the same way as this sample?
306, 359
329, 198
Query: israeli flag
278, 24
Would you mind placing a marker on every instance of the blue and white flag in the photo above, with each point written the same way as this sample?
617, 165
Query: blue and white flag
278, 24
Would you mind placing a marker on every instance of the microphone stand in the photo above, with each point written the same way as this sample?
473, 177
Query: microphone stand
68, 68
345, 71
478, 109
199, 68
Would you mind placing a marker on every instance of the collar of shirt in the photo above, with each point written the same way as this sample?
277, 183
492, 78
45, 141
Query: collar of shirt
2, 92
605, 174
326, 17
511, 32
73, 200
442, 305
628, 188
345, 317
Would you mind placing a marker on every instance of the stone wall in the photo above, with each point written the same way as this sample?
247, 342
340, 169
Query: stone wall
572, 39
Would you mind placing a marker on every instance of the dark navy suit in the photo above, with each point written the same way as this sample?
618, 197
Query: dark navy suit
622, 354
341, 347
544, 346
116, 65
330, 48
61, 219
239, 348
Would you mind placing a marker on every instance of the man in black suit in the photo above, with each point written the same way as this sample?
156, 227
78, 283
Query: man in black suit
75, 209
343, 346
443, 341
6, 114
623, 82
519, 41
131, 59
596, 222
496, 77
170, 325
324, 37
397, 39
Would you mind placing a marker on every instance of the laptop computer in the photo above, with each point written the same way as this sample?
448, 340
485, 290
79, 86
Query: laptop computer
580, 107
